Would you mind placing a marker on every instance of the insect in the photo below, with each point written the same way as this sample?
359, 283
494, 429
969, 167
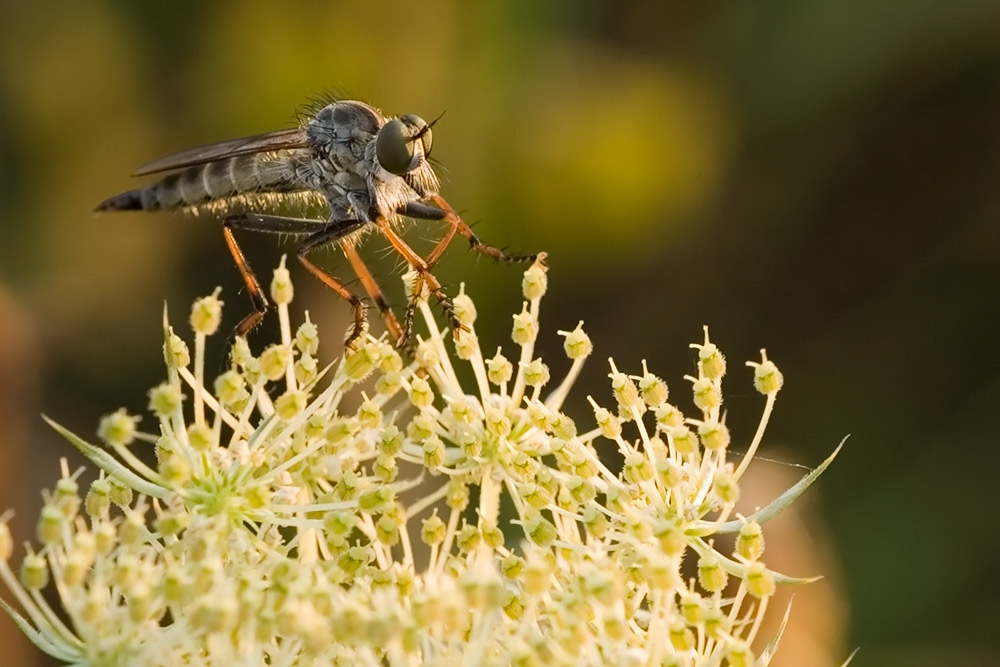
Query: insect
370, 171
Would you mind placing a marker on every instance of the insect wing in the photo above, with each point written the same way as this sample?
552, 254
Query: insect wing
259, 143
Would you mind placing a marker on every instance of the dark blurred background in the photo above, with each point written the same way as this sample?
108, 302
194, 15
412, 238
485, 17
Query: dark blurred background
817, 178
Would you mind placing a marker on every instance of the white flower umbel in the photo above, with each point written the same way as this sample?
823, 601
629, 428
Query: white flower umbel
439, 522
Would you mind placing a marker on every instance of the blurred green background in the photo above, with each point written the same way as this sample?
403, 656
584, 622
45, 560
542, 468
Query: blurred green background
818, 178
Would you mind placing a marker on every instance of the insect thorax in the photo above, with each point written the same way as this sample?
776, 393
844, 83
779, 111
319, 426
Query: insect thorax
347, 171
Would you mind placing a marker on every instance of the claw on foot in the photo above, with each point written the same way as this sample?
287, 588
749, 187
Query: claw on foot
356, 334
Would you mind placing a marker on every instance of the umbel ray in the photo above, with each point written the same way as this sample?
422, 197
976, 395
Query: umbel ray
370, 170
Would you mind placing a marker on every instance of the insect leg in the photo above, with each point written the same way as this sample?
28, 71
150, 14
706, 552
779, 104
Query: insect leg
257, 223
332, 234
424, 275
371, 286
423, 212
443, 211
406, 340
297, 227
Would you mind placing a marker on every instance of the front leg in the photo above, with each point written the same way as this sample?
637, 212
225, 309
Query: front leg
443, 211
424, 276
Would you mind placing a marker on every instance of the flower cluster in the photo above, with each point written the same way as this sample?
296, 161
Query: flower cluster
435, 520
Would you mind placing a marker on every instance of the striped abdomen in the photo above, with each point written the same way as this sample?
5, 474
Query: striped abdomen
256, 173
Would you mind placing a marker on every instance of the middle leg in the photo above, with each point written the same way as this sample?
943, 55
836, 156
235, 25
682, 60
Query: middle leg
374, 291
324, 237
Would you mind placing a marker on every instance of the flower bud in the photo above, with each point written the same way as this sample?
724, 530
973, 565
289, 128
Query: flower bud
760, 582
427, 355
683, 440
230, 388
714, 436
692, 608
50, 525
536, 373
561, 426
540, 531
175, 352
391, 440
274, 360
707, 394
290, 404
240, 352
725, 485
653, 389
34, 573
466, 345
458, 494
535, 282
668, 416
661, 572
750, 541
306, 369
98, 502
118, 428
389, 383
307, 337
626, 394
377, 499
681, 637
738, 654
711, 576
716, 623
464, 308
595, 521
433, 451
433, 530
525, 327
711, 362
497, 423
359, 363
637, 468
206, 314
281, 285
498, 369
766, 376
421, 394
202, 438
670, 535
577, 344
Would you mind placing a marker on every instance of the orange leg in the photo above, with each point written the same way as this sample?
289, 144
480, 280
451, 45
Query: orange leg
424, 275
457, 225
443, 211
257, 297
371, 286
360, 318
317, 235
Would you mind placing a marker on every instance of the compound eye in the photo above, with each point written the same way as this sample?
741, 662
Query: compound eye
394, 147
421, 129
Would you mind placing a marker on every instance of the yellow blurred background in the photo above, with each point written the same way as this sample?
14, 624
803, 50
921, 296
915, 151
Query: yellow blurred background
821, 179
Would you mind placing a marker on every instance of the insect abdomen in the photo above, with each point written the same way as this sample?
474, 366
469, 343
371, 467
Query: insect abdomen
214, 181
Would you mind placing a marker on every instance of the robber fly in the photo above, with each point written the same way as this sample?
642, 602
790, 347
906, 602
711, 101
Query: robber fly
371, 172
